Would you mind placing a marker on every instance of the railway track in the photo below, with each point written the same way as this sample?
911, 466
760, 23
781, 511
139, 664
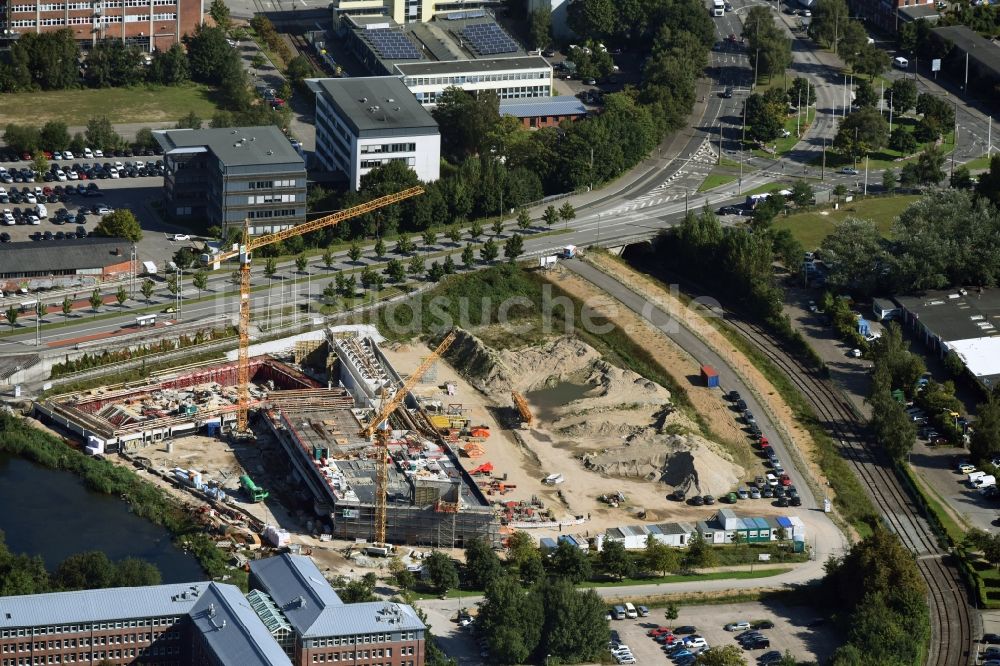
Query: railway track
951, 617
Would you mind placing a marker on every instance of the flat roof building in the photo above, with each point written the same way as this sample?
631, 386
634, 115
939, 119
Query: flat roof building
964, 321
511, 78
100, 257
227, 175
543, 111
970, 58
211, 624
149, 24
362, 123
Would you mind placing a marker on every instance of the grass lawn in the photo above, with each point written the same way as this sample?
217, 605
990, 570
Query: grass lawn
765, 188
142, 104
784, 144
887, 158
714, 180
810, 228
978, 164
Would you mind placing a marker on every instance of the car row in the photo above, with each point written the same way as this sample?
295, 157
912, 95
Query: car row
681, 645
9, 155
16, 175
36, 195
97, 170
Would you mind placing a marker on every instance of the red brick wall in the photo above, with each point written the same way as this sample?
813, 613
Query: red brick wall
304, 657
546, 121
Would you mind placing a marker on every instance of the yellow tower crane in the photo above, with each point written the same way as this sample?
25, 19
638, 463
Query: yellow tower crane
374, 427
245, 252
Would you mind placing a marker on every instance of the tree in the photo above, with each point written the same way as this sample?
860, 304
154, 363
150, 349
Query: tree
396, 271
765, 116
801, 92
497, 226
113, 63
416, 265
728, 655
660, 557
134, 572
328, 258
449, 265
22, 138
615, 560
862, 132
855, 254
961, 178
930, 166
903, 95
699, 554
454, 235
354, 253
596, 19
210, 57
441, 572
101, 134
828, 19
550, 215
54, 135
298, 69
511, 620
40, 163
574, 629
671, 612
173, 284
67, 306
482, 565
96, 300
220, 14
12, 314
988, 186
270, 267
985, 441
870, 60
468, 256
468, 122
301, 262
189, 121
569, 562
169, 68
379, 248
200, 281
489, 251
258, 61
523, 219
429, 237
902, 140
802, 193
513, 247
435, 272
769, 50
121, 296
475, 229
404, 245
85, 571
120, 224
865, 94
147, 289
889, 180
540, 27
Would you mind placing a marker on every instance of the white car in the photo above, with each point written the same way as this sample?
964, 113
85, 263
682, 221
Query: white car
118, 165
30, 198
98, 153
104, 209
33, 219
88, 153
68, 155
8, 217
181, 237
72, 175
855, 353
626, 659
692, 642
113, 172
57, 155
742, 625
61, 176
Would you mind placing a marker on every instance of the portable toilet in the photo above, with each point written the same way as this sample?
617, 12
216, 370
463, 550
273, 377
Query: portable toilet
709, 376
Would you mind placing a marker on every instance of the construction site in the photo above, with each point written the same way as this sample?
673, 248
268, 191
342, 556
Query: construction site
315, 403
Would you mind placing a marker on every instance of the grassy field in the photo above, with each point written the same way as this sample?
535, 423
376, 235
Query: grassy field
765, 188
810, 228
714, 180
121, 105
887, 158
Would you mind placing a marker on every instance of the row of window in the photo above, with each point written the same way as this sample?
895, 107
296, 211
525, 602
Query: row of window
516, 92
96, 626
475, 78
271, 198
349, 656
364, 638
371, 164
374, 148
91, 657
284, 212
116, 639
270, 184
109, 4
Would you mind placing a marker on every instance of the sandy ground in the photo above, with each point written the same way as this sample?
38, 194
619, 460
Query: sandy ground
783, 415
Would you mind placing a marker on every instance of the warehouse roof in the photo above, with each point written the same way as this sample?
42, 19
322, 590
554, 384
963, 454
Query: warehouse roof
533, 107
447, 67
99, 605
233, 631
64, 255
375, 103
313, 608
966, 40
233, 146
956, 314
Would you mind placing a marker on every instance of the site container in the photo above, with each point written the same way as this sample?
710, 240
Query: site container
709, 376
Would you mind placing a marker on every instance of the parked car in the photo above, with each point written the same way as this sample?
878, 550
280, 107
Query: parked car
849, 171
742, 625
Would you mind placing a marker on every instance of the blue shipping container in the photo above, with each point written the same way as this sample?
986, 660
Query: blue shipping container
710, 376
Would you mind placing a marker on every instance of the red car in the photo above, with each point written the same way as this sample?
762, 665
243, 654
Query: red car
763, 442
785, 480
659, 630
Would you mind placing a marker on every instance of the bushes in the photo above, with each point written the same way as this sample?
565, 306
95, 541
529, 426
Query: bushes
264, 29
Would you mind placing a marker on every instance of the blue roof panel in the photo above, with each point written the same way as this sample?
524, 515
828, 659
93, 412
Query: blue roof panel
533, 107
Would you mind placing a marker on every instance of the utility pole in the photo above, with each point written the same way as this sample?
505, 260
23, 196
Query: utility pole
798, 116
966, 86
989, 137
866, 174
592, 167
881, 95
890, 111
843, 99
822, 173
178, 299
39, 308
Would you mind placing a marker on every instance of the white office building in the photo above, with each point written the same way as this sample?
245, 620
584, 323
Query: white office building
510, 78
362, 123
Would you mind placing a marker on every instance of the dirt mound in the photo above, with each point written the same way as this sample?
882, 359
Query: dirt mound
685, 462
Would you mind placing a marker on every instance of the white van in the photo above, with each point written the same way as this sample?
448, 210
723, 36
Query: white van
41, 211
900, 63
986, 481
630, 611
974, 477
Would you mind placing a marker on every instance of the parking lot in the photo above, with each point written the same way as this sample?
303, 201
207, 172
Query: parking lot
138, 194
791, 630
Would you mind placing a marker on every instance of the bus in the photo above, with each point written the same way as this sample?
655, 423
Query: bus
256, 494
145, 320
718, 8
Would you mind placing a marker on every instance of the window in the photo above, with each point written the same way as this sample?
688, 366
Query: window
164, 17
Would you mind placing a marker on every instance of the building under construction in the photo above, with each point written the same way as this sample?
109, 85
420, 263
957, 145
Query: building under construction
431, 499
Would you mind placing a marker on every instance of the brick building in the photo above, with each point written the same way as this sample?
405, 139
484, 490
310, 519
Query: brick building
293, 617
543, 111
325, 629
150, 24
99, 257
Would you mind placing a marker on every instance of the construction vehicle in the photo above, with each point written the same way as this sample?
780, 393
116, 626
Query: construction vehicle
245, 251
256, 493
522, 409
378, 425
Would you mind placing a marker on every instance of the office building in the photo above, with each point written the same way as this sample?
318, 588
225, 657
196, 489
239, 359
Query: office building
410, 11
291, 617
362, 123
149, 24
543, 111
324, 628
224, 176
103, 258
510, 78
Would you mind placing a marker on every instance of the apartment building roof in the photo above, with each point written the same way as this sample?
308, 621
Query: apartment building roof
446, 67
375, 103
233, 631
233, 146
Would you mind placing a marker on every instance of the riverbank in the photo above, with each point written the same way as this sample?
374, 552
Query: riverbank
18, 437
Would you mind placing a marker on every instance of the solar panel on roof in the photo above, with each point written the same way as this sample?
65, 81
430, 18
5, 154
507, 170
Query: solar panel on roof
392, 45
489, 39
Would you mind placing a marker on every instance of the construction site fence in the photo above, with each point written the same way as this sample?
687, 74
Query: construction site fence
552, 524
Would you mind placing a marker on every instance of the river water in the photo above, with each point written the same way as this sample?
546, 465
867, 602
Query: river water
50, 513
